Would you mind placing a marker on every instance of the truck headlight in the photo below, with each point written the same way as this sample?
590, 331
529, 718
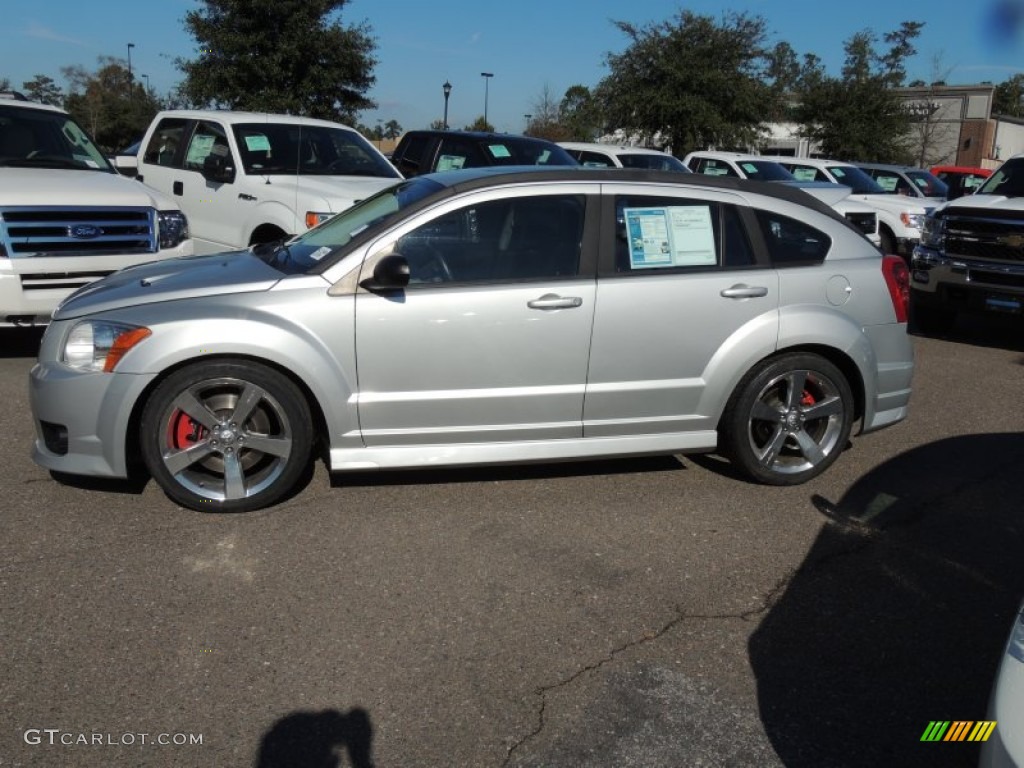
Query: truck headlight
172, 227
933, 232
97, 345
316, 218
912, 220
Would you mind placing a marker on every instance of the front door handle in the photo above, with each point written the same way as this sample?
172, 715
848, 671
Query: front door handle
745, 292
554, 301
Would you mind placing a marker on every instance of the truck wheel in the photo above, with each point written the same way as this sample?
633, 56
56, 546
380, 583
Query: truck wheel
226, 437
888, 242
788, 420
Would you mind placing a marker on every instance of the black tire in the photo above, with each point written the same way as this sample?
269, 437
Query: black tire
207, 455
788, 420
930, 319
888, 242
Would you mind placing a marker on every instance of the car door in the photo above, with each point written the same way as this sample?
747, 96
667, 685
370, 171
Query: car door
681, 298
489, 341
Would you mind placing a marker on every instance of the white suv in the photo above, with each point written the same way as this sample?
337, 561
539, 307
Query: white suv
246, 178
899, 219
758, 168
593, 155
66, 217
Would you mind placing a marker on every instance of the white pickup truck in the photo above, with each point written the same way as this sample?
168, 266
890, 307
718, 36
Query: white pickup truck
66, 217
245, 178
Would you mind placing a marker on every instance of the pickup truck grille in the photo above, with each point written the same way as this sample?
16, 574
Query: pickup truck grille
986, 238
865, 222
36, 231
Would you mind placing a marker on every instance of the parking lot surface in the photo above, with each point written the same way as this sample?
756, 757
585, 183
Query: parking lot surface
643, 612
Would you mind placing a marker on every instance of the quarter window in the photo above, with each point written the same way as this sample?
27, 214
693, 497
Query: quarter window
791, 242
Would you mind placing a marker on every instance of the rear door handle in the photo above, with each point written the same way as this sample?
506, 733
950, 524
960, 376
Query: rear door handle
554, 301
745, 292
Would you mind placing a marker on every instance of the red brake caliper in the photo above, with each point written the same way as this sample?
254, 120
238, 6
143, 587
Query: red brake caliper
807, 399
184, 431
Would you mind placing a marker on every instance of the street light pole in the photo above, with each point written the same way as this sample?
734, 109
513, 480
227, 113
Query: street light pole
487, 79
130, 46
447, 88
146, 78
528, 118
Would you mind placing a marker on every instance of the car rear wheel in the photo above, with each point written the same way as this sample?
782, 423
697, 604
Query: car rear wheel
788, 420
226, 437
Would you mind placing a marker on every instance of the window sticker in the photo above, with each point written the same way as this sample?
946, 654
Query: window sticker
676, 236
499, 150
804, 174
888, 183
257, 143
450, 162
199, 149
749, 168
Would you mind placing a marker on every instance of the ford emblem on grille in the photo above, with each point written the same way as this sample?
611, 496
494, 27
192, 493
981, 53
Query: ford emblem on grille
84, 231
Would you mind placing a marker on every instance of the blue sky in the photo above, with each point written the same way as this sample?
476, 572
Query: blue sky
528, 45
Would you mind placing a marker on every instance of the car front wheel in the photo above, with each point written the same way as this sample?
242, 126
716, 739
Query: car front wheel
226, 436
788, 420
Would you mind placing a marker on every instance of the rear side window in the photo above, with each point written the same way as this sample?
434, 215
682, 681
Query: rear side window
593, 159
165, 142
654, 234
410, 159
790, 242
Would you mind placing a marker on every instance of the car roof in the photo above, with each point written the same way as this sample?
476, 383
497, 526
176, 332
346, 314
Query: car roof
594, 146
961, 169
10, 99
239, 116
817, 162
889, 166
483, 135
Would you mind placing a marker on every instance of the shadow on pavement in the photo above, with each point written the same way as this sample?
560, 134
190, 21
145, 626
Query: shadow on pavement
20, 342
900, 611
314, 740
984, 330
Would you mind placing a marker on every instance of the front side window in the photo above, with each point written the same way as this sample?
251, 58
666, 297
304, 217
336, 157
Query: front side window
517, 238
207, 139
652, 162
593, 159
710, 166
655, 234
806, 172
165, 141
765, 170
855, 179
929, 185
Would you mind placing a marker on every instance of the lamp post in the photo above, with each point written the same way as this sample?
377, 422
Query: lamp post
528, 118
487, 79
146, 78
447, 88
130, 46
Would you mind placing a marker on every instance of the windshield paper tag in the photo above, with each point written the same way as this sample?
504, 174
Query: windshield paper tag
319, 253
259, 143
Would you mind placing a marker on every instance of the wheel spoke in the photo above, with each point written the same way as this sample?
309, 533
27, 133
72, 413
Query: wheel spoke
179, 461
250, 398
234, 477
189, 404
796, 381
275, 446
764, 412
832, 406
770, 451
809, 447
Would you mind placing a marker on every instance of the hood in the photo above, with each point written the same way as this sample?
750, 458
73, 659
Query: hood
170, 280
339, 192
988, 202
61, 187
895, 204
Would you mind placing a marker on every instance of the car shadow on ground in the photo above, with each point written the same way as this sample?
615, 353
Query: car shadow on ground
984, 330
317, 740
20, 342
899, 614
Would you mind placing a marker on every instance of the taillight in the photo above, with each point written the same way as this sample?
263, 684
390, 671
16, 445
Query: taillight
897, 279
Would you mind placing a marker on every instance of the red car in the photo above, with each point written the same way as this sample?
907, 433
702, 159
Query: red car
961, 179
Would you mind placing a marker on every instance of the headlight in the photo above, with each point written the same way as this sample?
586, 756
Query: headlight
933, 232
96, 345
173, 228
316, 218
912, 220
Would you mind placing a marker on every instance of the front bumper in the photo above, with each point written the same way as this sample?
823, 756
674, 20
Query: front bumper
82, 419
957, 283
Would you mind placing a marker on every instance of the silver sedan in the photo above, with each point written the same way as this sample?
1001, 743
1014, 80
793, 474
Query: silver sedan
486, 317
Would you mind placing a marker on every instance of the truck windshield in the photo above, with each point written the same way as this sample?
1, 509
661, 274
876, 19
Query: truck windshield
855, 179
1007, 181
40, 138
308, 150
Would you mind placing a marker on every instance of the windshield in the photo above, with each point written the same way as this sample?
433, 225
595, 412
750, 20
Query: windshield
306, 253
855, 179
929, 185
653, 162
308, 150
1007, 181
37, 138
764, 170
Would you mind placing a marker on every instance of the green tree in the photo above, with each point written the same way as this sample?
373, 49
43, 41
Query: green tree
285, 56
44, 90
858, 116
392, 130
1009, 97
109, 104
480, 124
580, 114
545, 122
696, 82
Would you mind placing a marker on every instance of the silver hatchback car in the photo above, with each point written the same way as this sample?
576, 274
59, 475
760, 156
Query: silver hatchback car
486, 317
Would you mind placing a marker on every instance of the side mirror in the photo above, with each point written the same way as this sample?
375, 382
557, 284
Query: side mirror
391, 273
218, 169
